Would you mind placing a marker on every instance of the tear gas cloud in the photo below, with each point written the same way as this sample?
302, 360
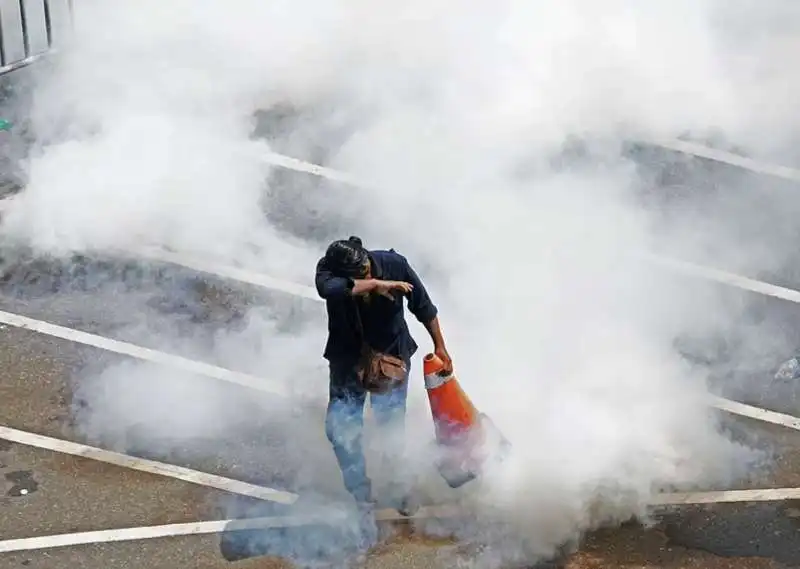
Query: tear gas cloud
453, 112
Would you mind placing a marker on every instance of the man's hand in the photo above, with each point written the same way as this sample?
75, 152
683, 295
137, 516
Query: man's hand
441, 353
439, 349
385, 288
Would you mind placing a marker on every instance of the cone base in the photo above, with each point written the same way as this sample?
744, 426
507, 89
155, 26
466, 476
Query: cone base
494, 438
465, 460
455, 477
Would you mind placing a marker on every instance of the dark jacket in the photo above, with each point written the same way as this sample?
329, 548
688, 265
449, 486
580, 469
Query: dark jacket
385, 327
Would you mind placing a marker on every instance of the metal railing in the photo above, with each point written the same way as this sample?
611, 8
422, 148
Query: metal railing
31, 29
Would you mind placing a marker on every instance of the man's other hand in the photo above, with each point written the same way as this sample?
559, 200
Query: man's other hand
385, 288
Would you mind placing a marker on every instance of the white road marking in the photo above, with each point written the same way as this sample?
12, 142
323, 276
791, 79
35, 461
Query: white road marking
730, 279
315, 169
440, 512
691, 148
145, 465
200, 528
233, 273
702, 151
727, 496
212, 268
141, 353
152, 532
751, 412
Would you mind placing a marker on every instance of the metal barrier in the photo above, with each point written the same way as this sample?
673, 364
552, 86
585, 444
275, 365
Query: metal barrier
31, 29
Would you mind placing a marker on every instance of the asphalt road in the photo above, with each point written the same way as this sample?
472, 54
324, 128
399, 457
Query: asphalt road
65, 494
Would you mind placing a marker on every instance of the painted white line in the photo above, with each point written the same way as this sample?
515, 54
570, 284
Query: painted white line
730, 279
145, 465
233, 273
440, 512
206, 266
141, 353
702, 151
149, 532
727, 496
751, 412
315, 169
200, 528
691, 148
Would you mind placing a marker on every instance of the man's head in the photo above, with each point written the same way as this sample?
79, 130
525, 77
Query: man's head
348, 258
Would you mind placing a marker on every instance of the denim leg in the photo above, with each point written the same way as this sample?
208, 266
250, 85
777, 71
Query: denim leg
390, 408
390, 413
344, 424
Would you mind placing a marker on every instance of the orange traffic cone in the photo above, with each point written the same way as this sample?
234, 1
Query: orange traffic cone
466, 437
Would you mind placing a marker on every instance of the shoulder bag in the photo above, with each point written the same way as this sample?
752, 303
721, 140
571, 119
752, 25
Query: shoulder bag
378, 372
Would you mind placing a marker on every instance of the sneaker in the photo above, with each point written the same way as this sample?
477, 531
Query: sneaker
402, 500
407, 505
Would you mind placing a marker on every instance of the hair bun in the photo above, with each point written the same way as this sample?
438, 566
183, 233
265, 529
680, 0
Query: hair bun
355, 240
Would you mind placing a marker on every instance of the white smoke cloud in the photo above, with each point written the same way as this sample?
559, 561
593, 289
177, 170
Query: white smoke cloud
453, 112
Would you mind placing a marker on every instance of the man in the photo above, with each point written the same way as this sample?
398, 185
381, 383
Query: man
363, 292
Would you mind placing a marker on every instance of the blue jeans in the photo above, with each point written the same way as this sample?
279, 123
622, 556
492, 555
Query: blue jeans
344, 424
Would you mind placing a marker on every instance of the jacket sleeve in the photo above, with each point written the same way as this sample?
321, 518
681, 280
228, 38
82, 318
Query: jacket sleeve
329, 286
419, 302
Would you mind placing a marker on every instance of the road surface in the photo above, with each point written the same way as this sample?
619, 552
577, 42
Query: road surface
49, 493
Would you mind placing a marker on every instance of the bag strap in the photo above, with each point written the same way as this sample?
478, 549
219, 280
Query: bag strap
360, 326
